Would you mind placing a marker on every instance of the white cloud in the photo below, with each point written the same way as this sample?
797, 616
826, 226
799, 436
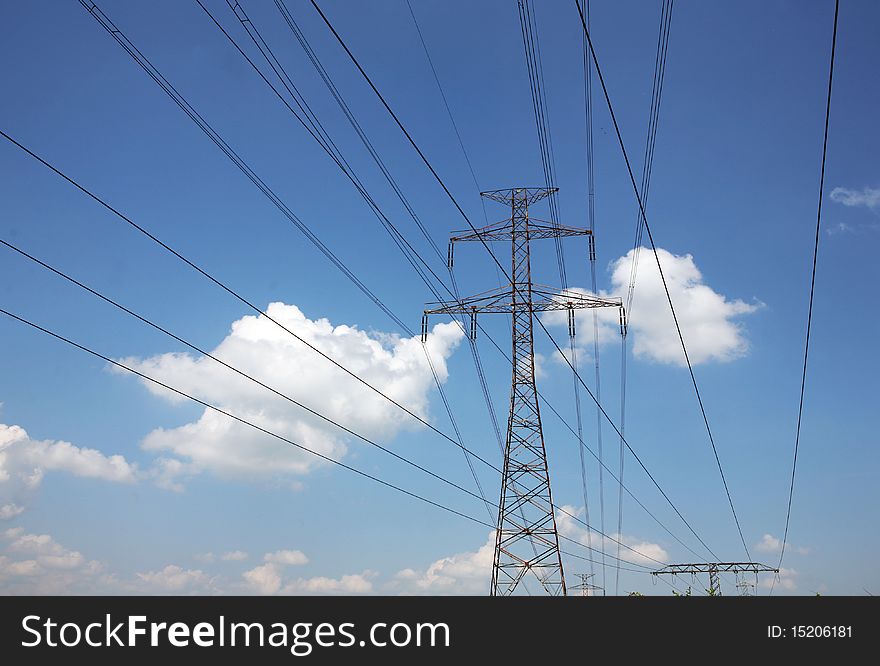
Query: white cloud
707, 318
770, 544
24, 568
470, 572
463, 573
37, 564
867, 196
839, 228
639, 551
540, 363
264, 579
268, 579
215, 443
231, 556
786, 580
32, 544
320, 585
9, 511
24, 462
167, 472
177, 580
286, 557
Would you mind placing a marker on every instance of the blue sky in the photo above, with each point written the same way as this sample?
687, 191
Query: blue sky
733, 204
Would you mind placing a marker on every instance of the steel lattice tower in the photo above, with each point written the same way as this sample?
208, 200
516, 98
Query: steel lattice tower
526, 537
714, 569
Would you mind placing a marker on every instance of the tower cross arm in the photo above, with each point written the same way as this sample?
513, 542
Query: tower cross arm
496, 300
546, 299
540, 299
708, 567
503, 231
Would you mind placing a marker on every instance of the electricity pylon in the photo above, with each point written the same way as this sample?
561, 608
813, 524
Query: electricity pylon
716, 568
586, 588
526, 538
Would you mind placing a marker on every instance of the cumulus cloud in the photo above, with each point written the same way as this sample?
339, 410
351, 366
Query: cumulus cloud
9, 511
176, 580
469, 572
708, 319
770, 544
269, 578
37, 564
463, 573
869, 197
639, 551
786, 580
231, 556
264, 579
25, 461
321, 585
286, 557
396, 366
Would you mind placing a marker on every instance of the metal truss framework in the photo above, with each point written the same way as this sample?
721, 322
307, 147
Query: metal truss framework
526, 539
714, 569
585, 587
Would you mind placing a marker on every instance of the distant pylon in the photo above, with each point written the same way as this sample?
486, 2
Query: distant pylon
585, 587
714, 569
526, 538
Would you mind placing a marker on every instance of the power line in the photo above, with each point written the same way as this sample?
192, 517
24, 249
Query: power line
141, 229
647, 168
534, 66
87, 192
317, 132
484, 243
628, 446
662, 278
321, 137
289, 85
592, 561
260, 428
239, 372
169, 89
335, 154
315, 128
279, 70
797, 436
105, 22
617, 479
244, 421
446, 105
478, 366
325, 76
591, 224
258, 382
235, 294
651, 139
